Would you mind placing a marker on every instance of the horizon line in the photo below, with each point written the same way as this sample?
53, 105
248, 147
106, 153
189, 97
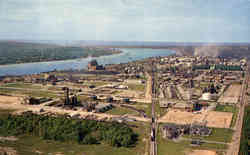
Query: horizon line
147, 41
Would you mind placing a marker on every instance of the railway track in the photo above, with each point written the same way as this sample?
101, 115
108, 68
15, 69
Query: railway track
153, 150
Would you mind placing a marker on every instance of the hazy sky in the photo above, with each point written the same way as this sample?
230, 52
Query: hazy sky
126, 20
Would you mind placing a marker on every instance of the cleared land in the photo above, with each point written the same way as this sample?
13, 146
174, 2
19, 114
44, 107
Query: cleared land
202, 152
10, 99
15, 104
148, 91
231, 95
212, 118
229, 108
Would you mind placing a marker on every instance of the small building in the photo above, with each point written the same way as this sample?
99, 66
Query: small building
102, 107
208, 96
183, 106
173, 131
200, 130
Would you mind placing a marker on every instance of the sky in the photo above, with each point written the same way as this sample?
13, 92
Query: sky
126, 20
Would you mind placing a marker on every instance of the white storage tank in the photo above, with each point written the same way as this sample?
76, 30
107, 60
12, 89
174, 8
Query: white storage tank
206, 96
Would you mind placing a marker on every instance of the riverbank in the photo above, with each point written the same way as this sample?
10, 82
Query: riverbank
56, 54
127, 55
62, 60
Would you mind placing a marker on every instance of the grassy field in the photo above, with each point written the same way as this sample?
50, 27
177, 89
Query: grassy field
218, 135
159, 111
31, 145
121, 111
229, 108
136, 87
22, 85
29, 93
149, 110
166, 147
245, 140
96, 83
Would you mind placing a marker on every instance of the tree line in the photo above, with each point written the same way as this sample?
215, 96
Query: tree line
12, 53
245, 135
66, 129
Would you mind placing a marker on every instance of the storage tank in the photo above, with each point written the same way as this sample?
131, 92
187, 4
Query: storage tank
206, 96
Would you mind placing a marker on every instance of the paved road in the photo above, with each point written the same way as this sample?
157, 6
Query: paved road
153, 150
234, 146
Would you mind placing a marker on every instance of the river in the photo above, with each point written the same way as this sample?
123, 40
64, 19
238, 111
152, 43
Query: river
127, 55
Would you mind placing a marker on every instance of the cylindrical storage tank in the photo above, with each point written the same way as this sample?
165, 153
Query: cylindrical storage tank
206, 96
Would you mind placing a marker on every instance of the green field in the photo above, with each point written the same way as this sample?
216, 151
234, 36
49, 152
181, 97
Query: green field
218, 135
121, 111
22, 85
28, 92
136, 87
245, 138
28, 145
165, 147
182, 147
149, 110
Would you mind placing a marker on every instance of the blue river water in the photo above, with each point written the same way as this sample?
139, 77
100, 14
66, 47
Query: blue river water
127, 55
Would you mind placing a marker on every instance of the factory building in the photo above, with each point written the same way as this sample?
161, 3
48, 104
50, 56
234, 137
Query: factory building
93, 66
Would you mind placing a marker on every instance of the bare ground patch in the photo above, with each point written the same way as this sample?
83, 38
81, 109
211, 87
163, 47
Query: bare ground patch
202, 152
231, 95
9, 99
212, 118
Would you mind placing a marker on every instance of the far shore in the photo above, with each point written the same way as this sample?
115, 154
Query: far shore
3, 65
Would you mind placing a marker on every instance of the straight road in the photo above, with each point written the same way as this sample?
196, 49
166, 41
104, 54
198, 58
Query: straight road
153, 150
234, 147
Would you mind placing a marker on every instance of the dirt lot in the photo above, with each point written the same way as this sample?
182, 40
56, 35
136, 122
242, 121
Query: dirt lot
131, 94
148, 93
15, 105
213, 118
9, 99
231, 95
202, 152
